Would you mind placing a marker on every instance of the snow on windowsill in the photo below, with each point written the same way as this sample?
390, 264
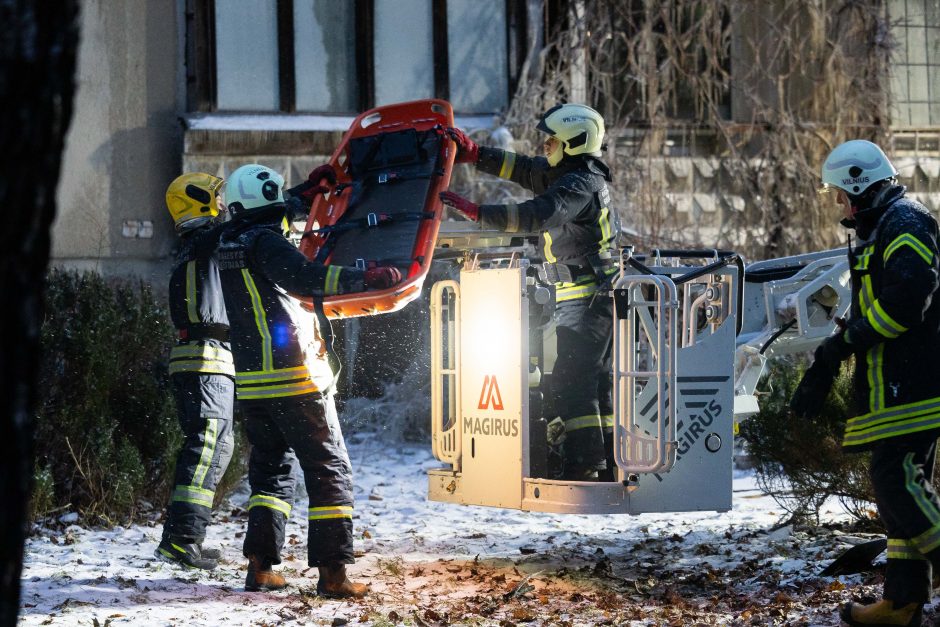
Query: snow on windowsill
299, 122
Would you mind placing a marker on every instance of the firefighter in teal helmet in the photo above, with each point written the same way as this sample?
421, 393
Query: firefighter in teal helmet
201, 370
284, 380
894, 333
578, 235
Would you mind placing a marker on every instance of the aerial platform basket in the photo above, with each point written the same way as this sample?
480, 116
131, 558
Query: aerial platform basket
384, 210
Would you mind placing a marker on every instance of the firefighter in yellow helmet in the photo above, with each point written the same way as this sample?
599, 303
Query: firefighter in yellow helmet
201, 370
571, 211
894, 333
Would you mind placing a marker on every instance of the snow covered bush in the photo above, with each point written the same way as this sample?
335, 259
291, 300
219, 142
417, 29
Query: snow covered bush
800, 462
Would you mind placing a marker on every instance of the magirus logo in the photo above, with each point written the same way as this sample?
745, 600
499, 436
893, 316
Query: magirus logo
490, 395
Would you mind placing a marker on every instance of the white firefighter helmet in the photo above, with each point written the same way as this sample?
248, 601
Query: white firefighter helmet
854, 166
252, 187
578, 127
192, 200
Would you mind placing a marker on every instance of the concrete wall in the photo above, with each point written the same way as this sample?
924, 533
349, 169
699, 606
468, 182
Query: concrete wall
125, 140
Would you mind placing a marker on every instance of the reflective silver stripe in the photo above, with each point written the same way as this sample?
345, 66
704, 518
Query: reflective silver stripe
192, 309
194, 495
583, 422
876, 390
512, 218
261, 321
204, 351
873, 419
564, 294
331, 286
921, 498
265, 391
272, 376
900, 549
209, 439
893, 429
271, 502
509, 162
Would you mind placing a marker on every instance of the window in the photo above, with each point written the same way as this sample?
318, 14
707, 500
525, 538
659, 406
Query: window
344, 56
915, 62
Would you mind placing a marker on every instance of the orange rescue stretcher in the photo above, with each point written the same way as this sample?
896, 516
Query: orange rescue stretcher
384, 209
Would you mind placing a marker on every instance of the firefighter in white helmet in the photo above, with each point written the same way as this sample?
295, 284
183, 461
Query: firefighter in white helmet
201, 370
571, 211
284, 380
894, 333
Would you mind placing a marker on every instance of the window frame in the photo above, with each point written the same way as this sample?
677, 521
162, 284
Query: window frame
201, 67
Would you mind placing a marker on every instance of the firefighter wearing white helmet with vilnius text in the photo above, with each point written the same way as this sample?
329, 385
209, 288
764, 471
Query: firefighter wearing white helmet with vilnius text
578, 235
894, 333
284, 379
201, 371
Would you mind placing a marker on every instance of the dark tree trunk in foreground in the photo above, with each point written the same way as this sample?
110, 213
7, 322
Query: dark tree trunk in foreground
38, 43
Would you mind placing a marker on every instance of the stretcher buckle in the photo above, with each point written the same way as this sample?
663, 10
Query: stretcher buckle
361, 264
372, 219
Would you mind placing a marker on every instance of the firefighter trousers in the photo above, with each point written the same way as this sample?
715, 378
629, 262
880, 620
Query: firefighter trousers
581, 381
204, 405
902, 477
304, 428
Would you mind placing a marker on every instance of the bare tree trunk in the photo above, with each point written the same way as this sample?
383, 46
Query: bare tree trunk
38, 44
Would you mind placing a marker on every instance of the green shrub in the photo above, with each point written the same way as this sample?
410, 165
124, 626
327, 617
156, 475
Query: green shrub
106, 431
799, 461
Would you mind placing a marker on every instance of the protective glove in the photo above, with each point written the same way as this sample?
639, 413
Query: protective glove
832, 352
382, 277
467, 209
321, 172
467, 150
812, 391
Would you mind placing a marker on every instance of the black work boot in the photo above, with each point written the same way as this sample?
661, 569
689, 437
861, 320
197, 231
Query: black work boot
335, 584
261, 577
884, 613
185, 554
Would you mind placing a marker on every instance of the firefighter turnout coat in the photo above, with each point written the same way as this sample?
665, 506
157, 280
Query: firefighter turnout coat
284, 382
577, 236
895, 326
202, 373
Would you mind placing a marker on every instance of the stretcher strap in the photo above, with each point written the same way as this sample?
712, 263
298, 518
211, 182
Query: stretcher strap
371, 220
326, 332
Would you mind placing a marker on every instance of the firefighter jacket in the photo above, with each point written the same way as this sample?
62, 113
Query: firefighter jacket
571, 212
279, 350
198, 311
894, 327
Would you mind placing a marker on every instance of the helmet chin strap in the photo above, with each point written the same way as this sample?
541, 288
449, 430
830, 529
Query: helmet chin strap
556, 156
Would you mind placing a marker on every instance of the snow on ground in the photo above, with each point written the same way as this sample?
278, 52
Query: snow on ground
439, 564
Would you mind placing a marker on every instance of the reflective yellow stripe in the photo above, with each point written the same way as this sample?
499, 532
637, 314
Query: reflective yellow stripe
899, 549
917, 492
334, 511
892, 421
509, 162
271, 502
276, 391
272, 376
906, 239
583, 422
604, 222
198, 365
512, 218
866, 295
261, 320
208, 450
884, 324
192, 309
572, 293
549, 257
607, 421
332, 280
194, 495
876, 392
